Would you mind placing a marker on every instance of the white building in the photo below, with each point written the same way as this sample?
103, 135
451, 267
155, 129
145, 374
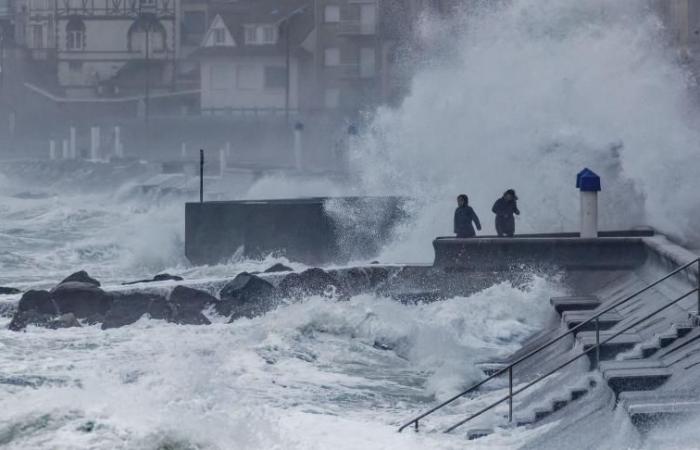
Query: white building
246, 57
103, 47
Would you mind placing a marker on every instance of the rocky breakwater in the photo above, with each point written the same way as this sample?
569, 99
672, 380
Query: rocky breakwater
80, 299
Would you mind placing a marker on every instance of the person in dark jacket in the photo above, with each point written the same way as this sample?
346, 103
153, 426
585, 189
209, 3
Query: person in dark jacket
464, 216
504, 208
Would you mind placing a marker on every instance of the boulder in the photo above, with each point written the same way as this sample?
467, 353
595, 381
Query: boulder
81, 277
246, 295
64, 321
159, 277
39, 301
82, 299
167, 277
31, 317
127, 308
357, 280
9, 290
188, 304
279, 268
309, 282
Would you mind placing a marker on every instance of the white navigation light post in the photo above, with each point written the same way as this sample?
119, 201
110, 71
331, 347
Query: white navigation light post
588, 183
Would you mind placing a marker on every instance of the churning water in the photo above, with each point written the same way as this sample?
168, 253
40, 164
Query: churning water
520, 93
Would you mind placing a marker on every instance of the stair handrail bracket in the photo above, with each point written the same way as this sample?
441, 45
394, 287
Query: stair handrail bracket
572, 331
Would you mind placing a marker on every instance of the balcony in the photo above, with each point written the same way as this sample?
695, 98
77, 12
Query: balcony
357, 28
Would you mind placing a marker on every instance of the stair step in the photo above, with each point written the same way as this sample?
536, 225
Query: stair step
574, 303
631, 364
605, 321
667, 339
650, 408
683, 329
578, 393
541, 413
559, 403
478, 433
636, 379
608, 350
649, 349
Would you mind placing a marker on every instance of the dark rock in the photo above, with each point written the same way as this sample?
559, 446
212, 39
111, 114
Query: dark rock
39, 301
82, 299
309, 282
357, 280
246, 296
279, 268
188, 304
32, 317
128, 308
8, 309
159, 277
81, 277
64, 321
9, 290
166, 277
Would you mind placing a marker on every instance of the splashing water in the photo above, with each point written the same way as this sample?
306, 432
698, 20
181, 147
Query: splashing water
523, 95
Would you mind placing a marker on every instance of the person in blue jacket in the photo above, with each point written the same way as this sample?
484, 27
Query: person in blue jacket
504, 208
464, 217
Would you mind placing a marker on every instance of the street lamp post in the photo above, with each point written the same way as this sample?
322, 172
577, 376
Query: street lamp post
148, 72
287, 27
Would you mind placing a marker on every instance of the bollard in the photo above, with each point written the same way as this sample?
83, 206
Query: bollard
201, 176
222, 162
588, 182
298, 128
94, 143
118, 148
52, 149
65, 150
72, 149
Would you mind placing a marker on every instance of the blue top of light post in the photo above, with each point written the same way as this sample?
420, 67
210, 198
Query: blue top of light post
588, 181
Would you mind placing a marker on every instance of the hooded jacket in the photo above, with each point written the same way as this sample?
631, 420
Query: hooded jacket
464, 216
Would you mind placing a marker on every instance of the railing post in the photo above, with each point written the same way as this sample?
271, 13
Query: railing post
201, 176
416, 426
510, 394
698, 280
597, 343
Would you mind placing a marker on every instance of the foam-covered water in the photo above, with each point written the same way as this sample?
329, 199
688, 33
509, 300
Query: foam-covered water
314, 374
524, 94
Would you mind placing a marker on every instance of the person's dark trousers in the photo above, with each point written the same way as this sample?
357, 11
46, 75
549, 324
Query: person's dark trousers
505, 226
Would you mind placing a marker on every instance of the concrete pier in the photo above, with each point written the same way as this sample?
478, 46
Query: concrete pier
300, 229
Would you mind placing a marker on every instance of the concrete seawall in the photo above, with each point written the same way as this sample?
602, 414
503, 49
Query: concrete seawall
311, 230
498, 254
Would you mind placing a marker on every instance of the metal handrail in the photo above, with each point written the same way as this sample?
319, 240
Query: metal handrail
573, 330
585, 352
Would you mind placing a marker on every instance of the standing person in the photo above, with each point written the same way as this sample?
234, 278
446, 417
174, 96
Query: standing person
504, 208
464, 216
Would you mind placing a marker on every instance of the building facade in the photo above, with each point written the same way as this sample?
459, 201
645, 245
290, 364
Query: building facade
252, 57
102, 48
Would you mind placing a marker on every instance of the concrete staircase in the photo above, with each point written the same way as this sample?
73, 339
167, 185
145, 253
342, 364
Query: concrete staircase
543, 410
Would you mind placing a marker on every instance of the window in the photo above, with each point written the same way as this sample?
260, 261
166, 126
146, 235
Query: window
219, 36
332, 13
367, 62
247, 78
218, 76
275, 77
75, 34
332, 97
269, 34
194, 22
332, 57
368, 18
38, 36
148, 3
251, 34
146, 34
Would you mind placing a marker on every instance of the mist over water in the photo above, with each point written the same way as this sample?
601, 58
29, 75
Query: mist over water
524, 94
